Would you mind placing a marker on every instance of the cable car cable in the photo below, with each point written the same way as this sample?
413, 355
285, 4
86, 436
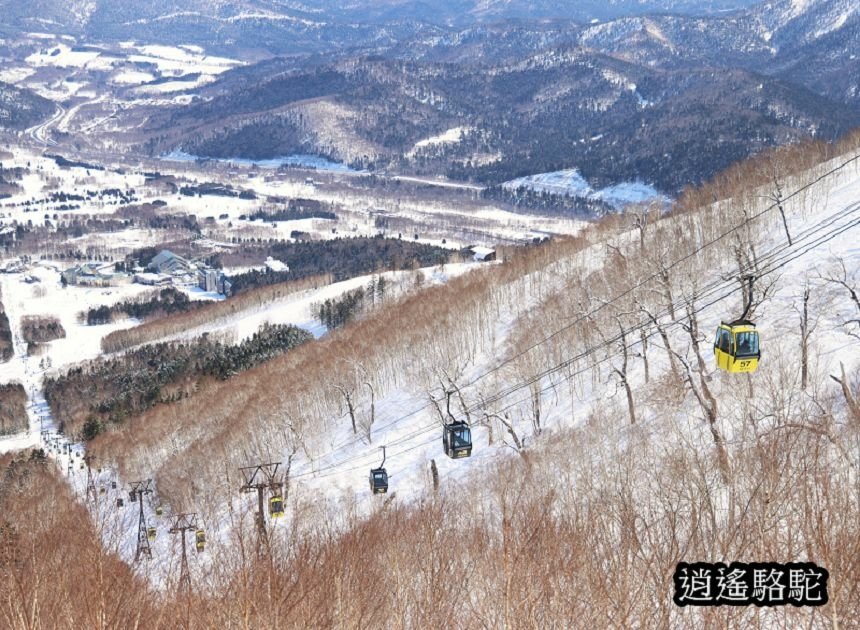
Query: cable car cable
639, 285
815, 228
500, 395
619, 337
507, 361
655, 276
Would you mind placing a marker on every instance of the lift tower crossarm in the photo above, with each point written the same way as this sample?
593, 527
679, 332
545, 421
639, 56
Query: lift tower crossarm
181, 524
91, 485
137, 490
258, 478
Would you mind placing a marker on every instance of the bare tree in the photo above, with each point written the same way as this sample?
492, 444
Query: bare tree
443, 419
806, 329
372, 417
665, 337
850, 399
666, 281
708, 404
640, 221
776, 198
842, 278
535, 390
434, 475
348, 394
692, 328
505, 421
622, 372
643, 339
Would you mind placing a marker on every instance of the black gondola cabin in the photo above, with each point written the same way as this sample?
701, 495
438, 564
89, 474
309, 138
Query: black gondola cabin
457, 440
378, 481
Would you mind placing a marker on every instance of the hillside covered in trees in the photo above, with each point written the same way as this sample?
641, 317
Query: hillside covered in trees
6, 349
105, 392
344, 258
13, 412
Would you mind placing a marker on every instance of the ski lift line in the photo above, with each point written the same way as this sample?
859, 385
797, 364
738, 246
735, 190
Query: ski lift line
708, 290
820, 240
355, 440
703, 294
501, 395
543, 390
568, 362
603, 360
324, 472
770, 255
816, 228
848, 209
349, 441
654, 276
332, 473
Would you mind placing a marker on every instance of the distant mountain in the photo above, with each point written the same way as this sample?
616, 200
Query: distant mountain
611, 119
250, 24
811, 42
283, 26
817, 44
20, 109
669, 92
668, 99
699, 28
465, 12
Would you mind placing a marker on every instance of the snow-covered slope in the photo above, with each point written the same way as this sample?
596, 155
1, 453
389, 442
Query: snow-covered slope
532, 342
825, 235
570, 183
601, 459
798, 22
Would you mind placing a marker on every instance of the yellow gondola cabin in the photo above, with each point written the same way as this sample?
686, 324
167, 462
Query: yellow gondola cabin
736, 347
276, 506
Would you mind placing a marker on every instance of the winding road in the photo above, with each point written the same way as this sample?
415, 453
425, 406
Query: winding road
41, 133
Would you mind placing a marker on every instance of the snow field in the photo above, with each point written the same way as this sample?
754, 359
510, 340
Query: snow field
569, 182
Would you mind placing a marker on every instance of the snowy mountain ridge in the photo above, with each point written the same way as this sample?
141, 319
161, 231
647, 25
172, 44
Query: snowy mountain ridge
788, 22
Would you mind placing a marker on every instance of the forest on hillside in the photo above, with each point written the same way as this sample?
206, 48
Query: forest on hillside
159, 303
40, 329
6, 348
344, 258
88, 399
13, 411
